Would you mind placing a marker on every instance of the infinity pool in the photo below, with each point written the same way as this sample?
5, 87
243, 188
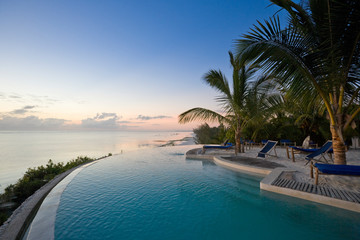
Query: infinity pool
158, 194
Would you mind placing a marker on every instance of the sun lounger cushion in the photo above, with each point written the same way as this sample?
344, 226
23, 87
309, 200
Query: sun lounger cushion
309, 150
338, 169
228, 145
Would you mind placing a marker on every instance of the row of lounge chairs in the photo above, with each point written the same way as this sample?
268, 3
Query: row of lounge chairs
314, 157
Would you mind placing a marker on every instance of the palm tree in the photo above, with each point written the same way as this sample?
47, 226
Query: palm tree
235, 102
316, 55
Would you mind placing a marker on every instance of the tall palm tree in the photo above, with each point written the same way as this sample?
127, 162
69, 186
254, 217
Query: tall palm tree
316, 55
235, 102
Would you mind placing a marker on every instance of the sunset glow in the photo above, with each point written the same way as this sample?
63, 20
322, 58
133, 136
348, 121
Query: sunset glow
94, 65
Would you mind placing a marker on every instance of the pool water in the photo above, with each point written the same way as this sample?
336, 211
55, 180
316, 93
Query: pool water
158, 194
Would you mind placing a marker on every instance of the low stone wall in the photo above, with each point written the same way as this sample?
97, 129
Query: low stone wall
19, 221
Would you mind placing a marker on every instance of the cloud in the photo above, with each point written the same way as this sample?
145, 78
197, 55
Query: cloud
14, 96
145, 118
125, 122
23, 110
26, 98
103, 121
106, 115
31, 123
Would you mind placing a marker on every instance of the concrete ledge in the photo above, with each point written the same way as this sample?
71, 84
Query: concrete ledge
240, 167
265, 184
43, 224
199, 157
196, 154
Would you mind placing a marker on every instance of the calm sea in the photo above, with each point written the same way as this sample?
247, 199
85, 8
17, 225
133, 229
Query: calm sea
21, 150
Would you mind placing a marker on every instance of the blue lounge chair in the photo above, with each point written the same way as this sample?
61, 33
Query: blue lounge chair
269, 146
226, 145
346, 170
249, 144
320, 153
286, 142
295, 150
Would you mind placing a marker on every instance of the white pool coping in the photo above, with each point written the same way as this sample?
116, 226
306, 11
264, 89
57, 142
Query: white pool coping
240, 167
43, 225
266, 184
271, 175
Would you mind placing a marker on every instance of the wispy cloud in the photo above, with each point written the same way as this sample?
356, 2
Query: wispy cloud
103, 121
26, 98
31, 123
23, 110
106, 115
145, 118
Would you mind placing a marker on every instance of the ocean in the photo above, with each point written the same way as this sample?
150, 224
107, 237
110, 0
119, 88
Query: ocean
23, 150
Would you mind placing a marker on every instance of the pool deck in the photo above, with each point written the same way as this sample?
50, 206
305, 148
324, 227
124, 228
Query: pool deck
283, 176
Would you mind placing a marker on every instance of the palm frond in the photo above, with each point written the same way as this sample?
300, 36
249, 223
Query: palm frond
201, 114
218, 81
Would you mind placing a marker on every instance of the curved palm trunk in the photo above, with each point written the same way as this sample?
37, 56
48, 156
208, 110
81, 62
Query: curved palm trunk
338, 146
239, 147
237, 141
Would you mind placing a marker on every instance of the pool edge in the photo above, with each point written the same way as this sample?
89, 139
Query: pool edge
20, 220
271, 175
42, 225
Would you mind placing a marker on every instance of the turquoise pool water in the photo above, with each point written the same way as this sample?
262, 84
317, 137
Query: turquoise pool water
158, 194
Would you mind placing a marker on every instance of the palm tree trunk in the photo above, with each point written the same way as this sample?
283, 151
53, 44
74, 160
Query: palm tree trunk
338, 146
237, 141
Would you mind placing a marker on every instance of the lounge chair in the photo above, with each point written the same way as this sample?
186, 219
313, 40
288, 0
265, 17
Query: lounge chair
295, 150
269, 146
249, 144
287, 142
321, 152
327, 169
226, 145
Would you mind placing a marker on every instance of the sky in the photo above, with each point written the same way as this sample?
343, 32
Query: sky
115, 65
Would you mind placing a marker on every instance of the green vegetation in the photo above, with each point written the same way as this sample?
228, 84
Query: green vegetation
241, 105
210, 135
312, 77
33, 179
316, 57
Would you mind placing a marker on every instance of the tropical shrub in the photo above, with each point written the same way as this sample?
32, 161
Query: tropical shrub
204, 134
33, 179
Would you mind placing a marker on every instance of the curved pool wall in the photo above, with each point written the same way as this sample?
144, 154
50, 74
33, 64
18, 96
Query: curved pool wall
157, 194
43, 224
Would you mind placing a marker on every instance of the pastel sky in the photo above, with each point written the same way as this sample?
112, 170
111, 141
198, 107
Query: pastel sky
121, 64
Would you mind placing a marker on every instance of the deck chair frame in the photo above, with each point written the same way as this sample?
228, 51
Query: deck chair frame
269, 151
298, 150
322, 154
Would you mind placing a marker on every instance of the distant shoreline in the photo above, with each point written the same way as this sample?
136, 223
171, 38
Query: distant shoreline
38, 147
177, 142
22, 216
